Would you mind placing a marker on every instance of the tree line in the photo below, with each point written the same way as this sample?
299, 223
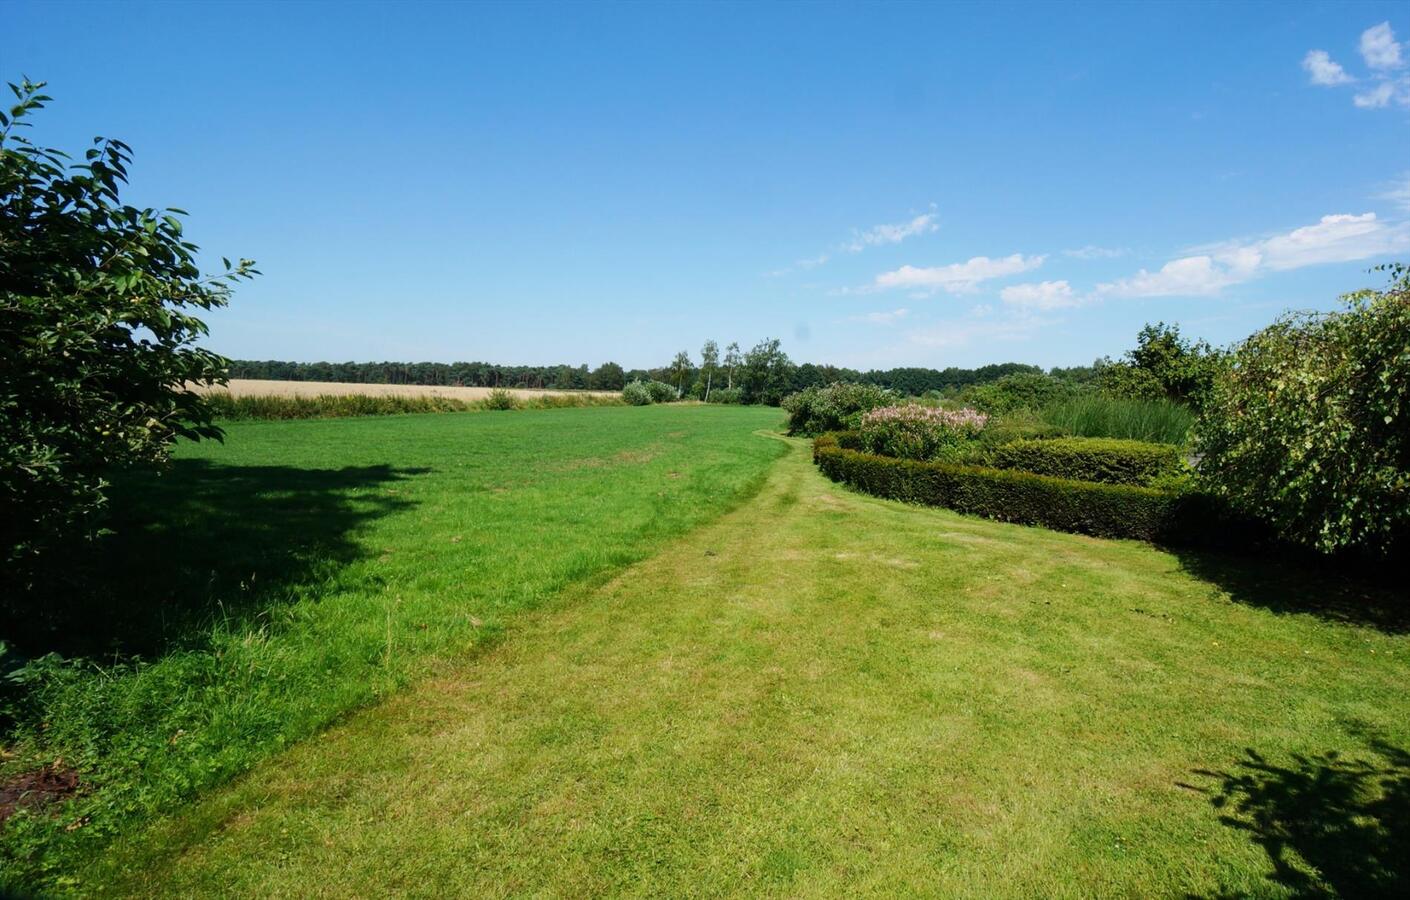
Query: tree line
765, 365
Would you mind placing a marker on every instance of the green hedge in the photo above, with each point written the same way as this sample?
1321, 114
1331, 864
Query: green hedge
1105, 460
1103, 510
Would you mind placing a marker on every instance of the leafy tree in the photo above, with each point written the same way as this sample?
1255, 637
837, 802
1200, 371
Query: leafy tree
1163, 366
765, 373
99, 338
732, 362
709, 362
1023, 390
1309, 427
608, 377
680, 367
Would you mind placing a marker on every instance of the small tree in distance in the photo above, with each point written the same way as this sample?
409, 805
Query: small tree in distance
709, 361
681, 365
732, 361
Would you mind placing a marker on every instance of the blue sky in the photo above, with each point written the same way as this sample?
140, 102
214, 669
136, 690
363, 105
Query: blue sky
877, 185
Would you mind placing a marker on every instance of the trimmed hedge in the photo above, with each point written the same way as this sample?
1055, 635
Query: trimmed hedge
1105, 460
1083, 507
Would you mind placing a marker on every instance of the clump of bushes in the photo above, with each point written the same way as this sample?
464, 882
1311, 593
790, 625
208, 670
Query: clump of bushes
1157, 421
1021, 390
1104, 460
836, 406
1309, 428
726, 395
920, 432
644, 393
499, 399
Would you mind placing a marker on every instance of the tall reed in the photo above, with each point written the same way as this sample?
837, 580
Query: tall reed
1159, 421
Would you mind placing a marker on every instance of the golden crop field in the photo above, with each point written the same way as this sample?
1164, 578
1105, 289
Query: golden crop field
242, 387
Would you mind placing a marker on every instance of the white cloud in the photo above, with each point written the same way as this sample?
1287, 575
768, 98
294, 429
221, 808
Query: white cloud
963, 332
1040, 295
882, 318
1323, 70
1091, 251
1379, 47
958, 277
1377, 97
891, 234
1335, 238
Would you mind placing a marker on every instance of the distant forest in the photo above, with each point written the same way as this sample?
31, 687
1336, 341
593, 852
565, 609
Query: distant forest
612, 377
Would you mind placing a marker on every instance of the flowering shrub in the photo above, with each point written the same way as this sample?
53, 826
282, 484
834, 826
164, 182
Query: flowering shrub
837, 406
913, 431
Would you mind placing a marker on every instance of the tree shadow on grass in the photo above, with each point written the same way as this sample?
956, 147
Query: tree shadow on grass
1334, 589
1331, 826
197, 543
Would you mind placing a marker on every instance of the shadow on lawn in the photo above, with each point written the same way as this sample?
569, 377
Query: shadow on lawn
1331, 827
1337, 590
197, 543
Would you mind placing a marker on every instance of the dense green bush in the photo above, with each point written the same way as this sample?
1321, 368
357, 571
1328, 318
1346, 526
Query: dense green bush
839, 405
499, 399
661, 392
1021, 424
1309, 428
1163, 366
726, 395
1083, 507
1024, 390
1104, 510
636, 394
1157, 421
913, 431
1106, 460
100, 340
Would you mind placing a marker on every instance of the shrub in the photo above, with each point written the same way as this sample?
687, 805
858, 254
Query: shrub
726, 395
839, 405
98, 312
1083, 507
636, 394
1309, 428
499, 399
1018, 425
1162, 366
661, 392
1023, 390
919, 432
1157, 421
1106, 460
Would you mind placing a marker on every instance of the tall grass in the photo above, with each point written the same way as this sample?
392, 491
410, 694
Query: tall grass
1139, 420
337, 406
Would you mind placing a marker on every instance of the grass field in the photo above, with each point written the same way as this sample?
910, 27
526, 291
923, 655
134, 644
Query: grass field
262, 588
818, 693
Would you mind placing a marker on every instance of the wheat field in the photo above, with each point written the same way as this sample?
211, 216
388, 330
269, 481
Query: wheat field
254, 387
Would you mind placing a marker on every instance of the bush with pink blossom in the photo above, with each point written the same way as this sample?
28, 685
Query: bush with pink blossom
912, 431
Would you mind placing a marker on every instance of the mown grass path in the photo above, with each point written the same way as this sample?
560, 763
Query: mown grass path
823, 693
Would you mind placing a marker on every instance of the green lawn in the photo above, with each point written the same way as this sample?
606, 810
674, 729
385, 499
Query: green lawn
261, 589
816, 693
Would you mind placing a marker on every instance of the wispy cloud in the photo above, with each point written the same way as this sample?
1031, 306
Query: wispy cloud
1382, 55
956, 278
1041, 295
969, 331
879, 235
1335, 238
1398, 192
881, 318
1091, 251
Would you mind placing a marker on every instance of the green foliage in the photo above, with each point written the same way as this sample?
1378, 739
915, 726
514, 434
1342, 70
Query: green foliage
1163, 366
99, 337
636, 394
1107, 460
920, 432
839, 405
661, 392
764, 376
726, 395
1025, 390
500, 399
1103, 510
1021, 424
1157, 421
1309, 428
